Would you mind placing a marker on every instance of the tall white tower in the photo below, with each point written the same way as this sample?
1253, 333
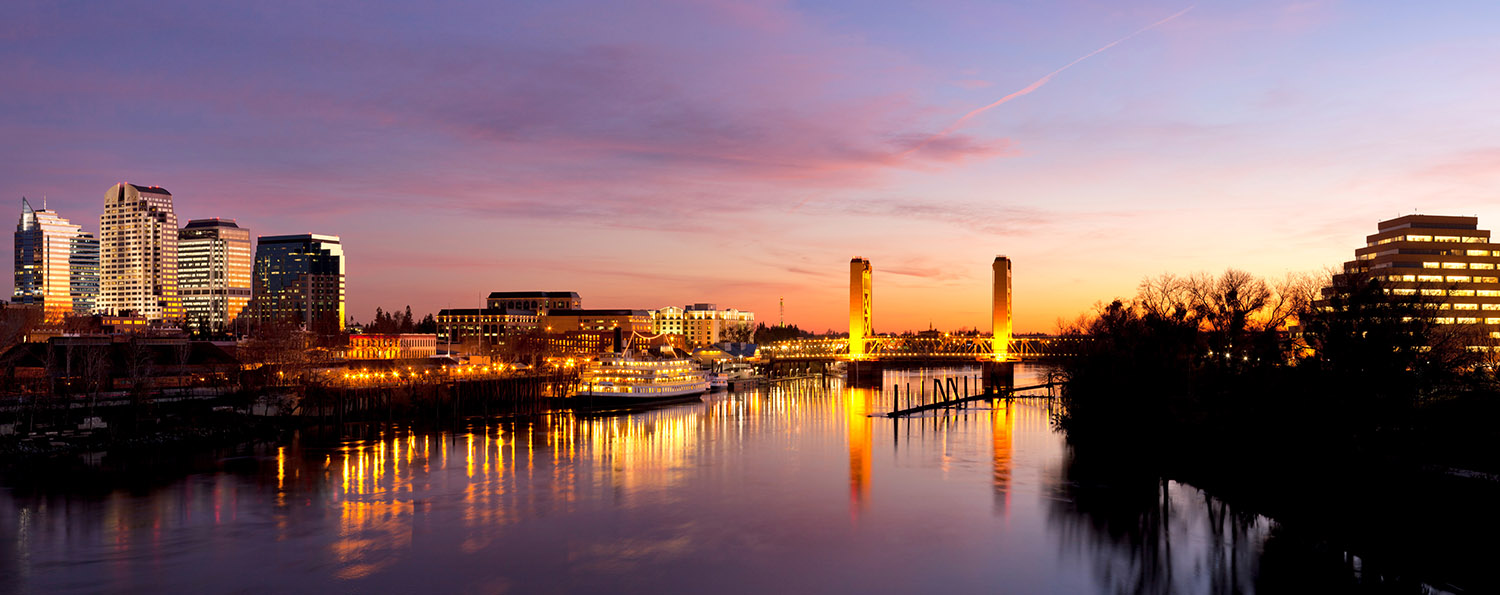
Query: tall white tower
138, 253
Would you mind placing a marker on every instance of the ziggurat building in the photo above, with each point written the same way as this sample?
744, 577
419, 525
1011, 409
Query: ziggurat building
1447, 259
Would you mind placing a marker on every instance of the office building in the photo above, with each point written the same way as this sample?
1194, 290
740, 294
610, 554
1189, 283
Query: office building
213, 272
1447, 259
483, 327
298, 280
138, 253
537, 302
391, 346
56, 264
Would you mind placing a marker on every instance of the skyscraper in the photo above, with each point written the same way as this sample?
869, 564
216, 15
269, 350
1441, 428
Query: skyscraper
138, 253
299, 280
213, 272
57, 264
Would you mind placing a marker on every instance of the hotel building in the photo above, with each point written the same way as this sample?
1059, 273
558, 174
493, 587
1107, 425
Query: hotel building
299, 280
56, 264
213, 272
1448, 259
699, 324
138, 253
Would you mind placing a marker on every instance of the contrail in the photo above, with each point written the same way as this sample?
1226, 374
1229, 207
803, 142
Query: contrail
1039, 82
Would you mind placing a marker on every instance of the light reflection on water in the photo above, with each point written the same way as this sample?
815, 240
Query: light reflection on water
792, 487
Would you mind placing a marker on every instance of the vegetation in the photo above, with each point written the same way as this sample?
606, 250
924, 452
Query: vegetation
1240, 366
393, 323
772, 334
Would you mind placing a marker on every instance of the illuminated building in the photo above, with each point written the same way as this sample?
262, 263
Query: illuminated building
299, 281
699, 324
537, 302
1000, 322
631, 321
56, 264
396, 346
138, 253
860, 291
1447, 259
484, 326
213, 272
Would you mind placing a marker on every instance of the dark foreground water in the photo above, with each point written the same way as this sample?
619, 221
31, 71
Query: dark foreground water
793, 488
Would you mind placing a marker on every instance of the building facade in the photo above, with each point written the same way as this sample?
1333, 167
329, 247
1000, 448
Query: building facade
56, 264
484, 327
700, 324
630, 321
138, 253
213, 272
397, 346
535, 301
298, 280
1447, 259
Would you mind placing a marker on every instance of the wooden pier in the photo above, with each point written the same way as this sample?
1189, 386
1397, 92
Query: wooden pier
943, 400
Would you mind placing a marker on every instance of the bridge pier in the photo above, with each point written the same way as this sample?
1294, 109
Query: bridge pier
864, 374
998, 375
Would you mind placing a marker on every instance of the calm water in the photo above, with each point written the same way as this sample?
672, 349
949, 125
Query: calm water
787, 489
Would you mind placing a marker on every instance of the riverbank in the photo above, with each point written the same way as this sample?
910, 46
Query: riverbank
1407, 523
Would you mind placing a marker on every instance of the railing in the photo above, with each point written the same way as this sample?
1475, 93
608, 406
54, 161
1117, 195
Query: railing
924, 347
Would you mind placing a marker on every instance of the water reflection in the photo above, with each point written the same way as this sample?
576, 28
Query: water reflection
793, 487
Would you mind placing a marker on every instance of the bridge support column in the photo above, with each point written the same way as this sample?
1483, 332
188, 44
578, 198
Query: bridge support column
1000, 309
864, 374
998, 375
859, 305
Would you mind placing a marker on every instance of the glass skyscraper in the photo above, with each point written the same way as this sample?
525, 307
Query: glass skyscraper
299, 280
56, 264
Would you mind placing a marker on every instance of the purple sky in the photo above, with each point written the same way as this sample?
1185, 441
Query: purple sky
651, 154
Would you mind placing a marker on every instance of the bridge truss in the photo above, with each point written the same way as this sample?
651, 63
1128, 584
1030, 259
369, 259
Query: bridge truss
957, 348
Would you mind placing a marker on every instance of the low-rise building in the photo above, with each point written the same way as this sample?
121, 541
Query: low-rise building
700, 324
392, 346
483, 326
630, 321
536, 301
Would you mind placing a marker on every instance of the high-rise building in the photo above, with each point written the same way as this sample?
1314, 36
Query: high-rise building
213, 272
299, 280
138, 253
57, 264
1448, 259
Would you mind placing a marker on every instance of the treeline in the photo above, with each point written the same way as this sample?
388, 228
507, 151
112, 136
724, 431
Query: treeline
393, 323
1304, 368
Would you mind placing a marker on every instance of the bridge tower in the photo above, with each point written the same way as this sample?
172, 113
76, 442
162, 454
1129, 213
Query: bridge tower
859, 306
1000, 317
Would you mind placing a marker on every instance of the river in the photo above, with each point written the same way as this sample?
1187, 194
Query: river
789, 488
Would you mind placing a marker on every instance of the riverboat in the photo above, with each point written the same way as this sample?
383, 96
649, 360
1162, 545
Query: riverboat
637, 377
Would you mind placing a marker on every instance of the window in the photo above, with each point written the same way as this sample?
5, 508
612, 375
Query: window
1455, 265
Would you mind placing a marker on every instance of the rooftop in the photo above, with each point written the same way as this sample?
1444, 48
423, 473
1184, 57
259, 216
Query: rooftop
526, 295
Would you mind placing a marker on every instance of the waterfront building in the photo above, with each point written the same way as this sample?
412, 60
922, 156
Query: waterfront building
537, 302
699, 324
213, 272
485, 327
56, 264
138, 253
630, 321
298, 280
1445, 258
392, 346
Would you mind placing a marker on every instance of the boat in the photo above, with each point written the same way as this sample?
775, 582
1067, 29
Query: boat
632, 376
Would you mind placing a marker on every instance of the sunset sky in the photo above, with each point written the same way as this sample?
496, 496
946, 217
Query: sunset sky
647, 154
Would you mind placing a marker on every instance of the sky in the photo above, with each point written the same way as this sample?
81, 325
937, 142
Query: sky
647, 154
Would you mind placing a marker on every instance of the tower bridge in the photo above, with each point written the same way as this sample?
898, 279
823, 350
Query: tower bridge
866, 352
